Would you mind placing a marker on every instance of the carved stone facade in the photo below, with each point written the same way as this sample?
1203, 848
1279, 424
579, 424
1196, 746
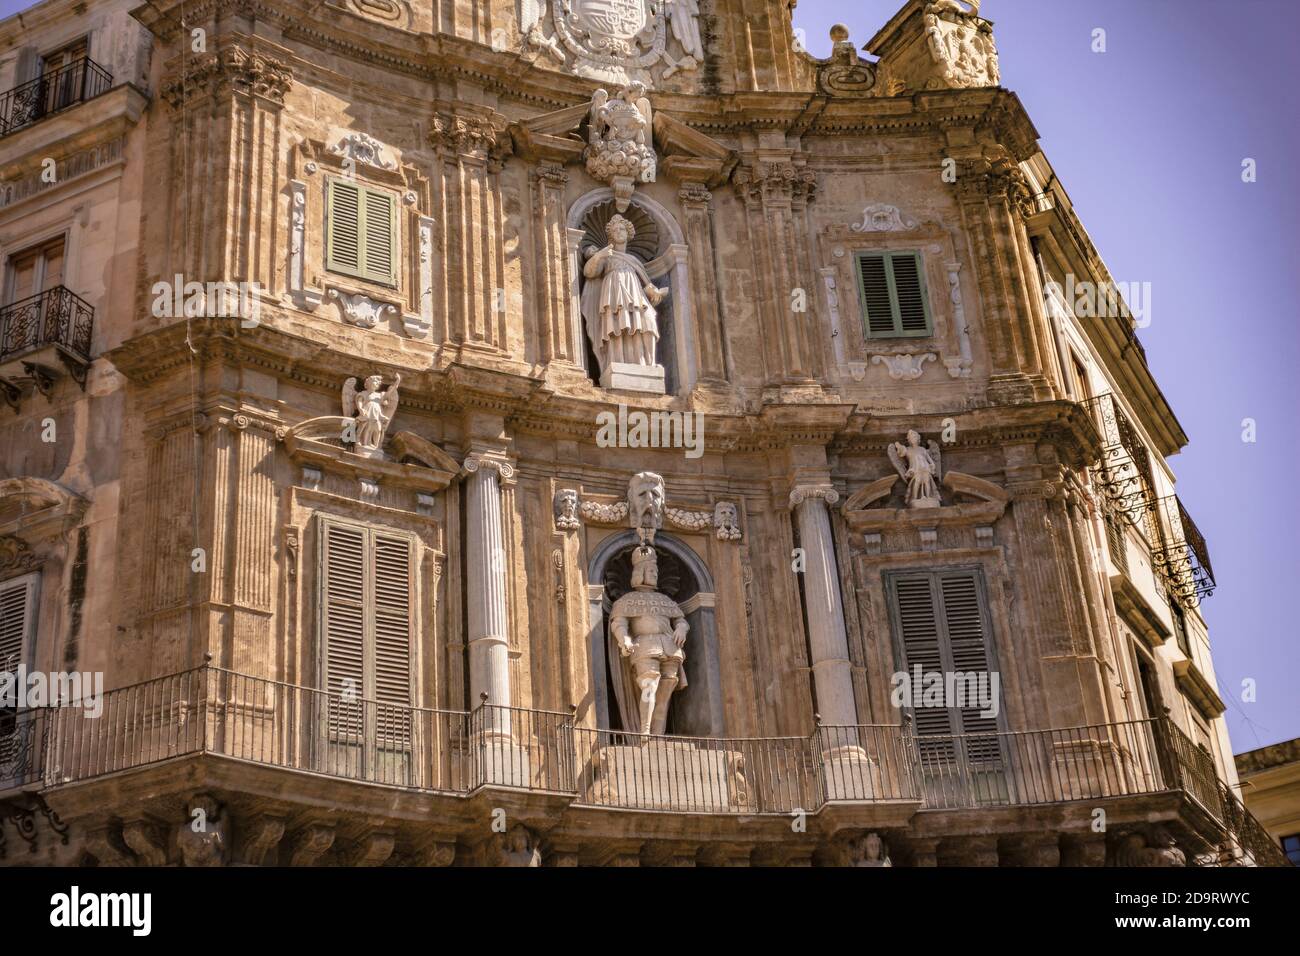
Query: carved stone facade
207, 524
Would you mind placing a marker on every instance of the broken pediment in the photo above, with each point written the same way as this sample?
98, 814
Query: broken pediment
986, 504
419, 465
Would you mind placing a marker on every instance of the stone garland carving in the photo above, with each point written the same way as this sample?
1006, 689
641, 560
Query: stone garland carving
904, 366
645, 511
16, 554
620, 141
360, 310
362, 150
882, 218
920, 467
615, 40
372, 410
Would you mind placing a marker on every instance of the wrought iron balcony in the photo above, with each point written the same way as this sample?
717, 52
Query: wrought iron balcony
1184, 558
217, 713
51, 93
54, 324
1124, 471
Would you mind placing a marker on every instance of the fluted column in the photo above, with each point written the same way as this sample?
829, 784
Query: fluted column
827, 638
489, 655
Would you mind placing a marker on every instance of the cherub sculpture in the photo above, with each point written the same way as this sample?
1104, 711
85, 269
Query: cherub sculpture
371, 411
620, 141
920, 467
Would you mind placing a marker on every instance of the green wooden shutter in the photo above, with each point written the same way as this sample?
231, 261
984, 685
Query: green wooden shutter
392, 636
378, 228
343, 225
963, 614
920, 639
894, 300
17, 621
361, 229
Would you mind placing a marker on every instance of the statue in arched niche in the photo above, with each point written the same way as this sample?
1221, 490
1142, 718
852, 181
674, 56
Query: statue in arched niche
650, 631
618, 304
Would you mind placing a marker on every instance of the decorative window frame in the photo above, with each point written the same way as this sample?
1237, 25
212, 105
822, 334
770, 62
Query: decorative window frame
856, 355
408, 306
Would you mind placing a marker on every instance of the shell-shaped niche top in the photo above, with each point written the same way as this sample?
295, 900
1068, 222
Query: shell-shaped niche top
645, 245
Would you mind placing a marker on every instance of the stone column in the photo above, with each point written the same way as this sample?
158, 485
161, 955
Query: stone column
489, 657
829, 642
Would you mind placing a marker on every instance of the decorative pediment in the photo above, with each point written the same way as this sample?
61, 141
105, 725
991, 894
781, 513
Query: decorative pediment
990, 504
35, 508
317, 443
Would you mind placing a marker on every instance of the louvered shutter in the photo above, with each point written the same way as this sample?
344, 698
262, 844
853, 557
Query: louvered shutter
343, 626
875, 293
343, 228
893, 292
921, 641
963, 615
392, 640
378, 228
17, 621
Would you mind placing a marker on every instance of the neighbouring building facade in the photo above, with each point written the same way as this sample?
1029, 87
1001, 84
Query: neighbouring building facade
576, 433
1270, 788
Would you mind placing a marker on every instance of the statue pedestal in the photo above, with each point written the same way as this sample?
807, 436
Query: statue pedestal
660, 773
849, 774
501, 762
634, 378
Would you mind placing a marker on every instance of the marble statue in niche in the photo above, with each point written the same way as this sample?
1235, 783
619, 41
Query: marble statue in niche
919, 466
618, 304
372, 410
650, 631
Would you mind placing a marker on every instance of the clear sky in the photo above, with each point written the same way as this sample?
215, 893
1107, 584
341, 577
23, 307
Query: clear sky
1148, 139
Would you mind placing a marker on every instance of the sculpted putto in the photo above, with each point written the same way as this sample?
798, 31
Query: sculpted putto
919, 467
650, 631
372, 410
620, 140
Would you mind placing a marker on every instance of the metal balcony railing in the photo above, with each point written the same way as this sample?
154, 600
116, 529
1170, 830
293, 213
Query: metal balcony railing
55, 317
1183, 558
210, 710
1124, 472
52, 92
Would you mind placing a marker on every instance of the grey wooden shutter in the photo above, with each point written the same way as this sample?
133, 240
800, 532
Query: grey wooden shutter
17, 621
392, 635
343, 625
940, 617
893, 294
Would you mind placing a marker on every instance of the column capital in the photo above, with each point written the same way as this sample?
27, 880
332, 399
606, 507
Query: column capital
478, 460
801, 493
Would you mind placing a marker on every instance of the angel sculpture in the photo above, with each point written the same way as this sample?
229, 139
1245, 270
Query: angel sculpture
920, 468
620, 142
369, 411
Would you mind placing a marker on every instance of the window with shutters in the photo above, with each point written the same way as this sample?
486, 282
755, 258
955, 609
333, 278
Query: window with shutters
17, 620
361, 231
892, 289
366, 627
941, 626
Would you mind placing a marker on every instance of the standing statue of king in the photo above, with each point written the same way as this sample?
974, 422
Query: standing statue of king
649, 630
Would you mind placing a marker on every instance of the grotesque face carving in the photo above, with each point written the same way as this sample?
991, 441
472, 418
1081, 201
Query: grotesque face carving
645, 500
568, 503
724, 514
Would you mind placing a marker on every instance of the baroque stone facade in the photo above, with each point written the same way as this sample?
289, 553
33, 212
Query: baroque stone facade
857, 438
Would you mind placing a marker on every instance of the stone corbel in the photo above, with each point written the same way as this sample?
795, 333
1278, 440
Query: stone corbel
310, 844
359, 309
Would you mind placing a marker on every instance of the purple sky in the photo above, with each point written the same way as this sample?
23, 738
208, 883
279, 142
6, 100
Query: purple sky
1148, 140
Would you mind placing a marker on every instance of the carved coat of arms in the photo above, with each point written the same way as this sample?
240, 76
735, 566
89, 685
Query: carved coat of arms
617, 41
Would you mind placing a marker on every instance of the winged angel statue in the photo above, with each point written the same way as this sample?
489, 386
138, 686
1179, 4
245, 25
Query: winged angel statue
919, 466
371, 410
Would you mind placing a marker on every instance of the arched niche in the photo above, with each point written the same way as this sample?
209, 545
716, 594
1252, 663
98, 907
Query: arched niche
667, 268
697, 710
